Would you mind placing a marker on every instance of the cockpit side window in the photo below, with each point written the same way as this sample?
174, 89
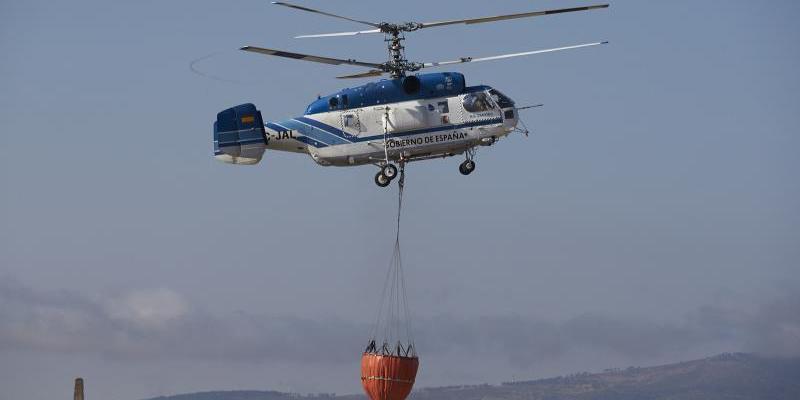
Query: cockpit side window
502, 100
477, 102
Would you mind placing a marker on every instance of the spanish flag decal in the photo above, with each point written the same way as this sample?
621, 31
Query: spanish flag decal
248, 119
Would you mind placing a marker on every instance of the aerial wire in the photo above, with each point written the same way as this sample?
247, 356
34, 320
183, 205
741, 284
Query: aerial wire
194, 69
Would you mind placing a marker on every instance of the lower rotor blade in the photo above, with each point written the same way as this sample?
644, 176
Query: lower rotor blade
308, 57
374, 72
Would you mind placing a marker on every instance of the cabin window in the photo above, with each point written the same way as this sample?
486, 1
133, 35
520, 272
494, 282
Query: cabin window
443, 107
477, 102
333, 103
502, 100
345, 102
350, 122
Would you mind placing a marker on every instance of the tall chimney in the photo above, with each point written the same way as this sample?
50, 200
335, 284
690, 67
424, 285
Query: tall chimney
78, 389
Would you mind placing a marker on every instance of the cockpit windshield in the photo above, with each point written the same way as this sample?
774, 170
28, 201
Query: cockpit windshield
478, 102
502, 100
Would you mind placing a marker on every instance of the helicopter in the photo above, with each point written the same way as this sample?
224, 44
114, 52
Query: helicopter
408, 117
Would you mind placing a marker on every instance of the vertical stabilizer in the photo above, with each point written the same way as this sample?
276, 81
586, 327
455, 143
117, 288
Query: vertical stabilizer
239, 135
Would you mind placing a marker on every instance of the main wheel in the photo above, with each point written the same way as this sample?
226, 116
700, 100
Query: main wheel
466, 167
381, 180
389, 171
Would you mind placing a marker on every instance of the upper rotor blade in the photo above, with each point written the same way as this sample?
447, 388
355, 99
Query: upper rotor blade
374, 72
511, 16
307, 57
338, 34
526, 53
280, 3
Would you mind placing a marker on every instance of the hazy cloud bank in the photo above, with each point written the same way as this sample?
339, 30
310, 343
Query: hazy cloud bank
159, 323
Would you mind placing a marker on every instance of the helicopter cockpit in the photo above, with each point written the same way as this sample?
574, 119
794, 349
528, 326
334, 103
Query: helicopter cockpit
502, 100
487, 99
478, 102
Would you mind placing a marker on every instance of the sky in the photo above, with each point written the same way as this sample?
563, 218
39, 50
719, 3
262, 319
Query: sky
652, 215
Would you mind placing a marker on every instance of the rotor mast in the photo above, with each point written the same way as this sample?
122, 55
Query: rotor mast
396, 54
398, 64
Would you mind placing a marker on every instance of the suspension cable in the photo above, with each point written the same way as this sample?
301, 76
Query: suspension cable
393, 317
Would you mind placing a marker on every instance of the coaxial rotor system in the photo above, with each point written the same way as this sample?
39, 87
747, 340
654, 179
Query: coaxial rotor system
397, 65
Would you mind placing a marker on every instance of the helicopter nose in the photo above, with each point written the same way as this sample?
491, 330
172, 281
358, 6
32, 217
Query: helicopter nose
510, 117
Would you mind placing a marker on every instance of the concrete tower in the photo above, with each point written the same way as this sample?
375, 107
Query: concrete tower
78, 389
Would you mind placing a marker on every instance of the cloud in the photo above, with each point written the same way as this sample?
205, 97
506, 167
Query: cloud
156, 323
155, 307
159, 323
775, 328
524, 342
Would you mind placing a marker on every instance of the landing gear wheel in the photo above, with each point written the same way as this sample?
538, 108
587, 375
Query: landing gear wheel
466, 167
389, 171
381, 180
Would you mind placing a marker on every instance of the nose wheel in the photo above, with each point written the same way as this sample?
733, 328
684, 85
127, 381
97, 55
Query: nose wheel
466, 167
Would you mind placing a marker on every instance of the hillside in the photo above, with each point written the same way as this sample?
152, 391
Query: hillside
727, 376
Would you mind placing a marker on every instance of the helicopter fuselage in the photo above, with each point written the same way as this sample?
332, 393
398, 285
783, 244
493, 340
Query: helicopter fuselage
400, 120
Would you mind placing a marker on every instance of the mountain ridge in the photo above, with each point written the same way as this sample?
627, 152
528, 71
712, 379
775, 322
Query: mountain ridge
727, 376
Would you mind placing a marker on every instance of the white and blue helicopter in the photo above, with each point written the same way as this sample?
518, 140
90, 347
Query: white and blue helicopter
398, 120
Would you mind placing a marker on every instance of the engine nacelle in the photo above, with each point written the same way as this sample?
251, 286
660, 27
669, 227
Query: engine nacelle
239, 135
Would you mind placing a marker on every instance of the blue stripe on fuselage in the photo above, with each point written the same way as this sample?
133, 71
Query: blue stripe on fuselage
275, 127
321, 132
434, 129
337, 132
311, 140
327, 128
314, 132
